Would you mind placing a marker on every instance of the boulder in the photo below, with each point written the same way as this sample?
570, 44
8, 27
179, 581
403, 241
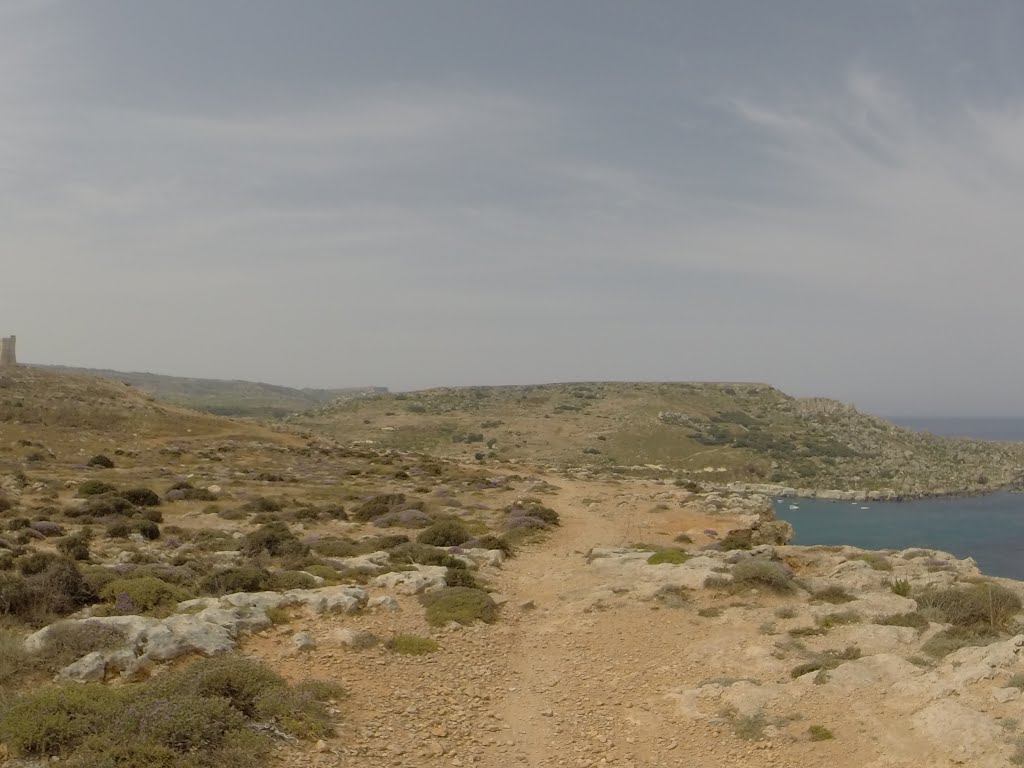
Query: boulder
426, 578
91, 668
353, 638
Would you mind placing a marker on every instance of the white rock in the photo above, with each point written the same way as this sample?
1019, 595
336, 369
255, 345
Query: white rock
91, 668
384, 602
959, 731
1003, 695
303, 641
353, 638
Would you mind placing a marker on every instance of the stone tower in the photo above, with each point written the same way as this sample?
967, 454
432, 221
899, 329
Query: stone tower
7, 357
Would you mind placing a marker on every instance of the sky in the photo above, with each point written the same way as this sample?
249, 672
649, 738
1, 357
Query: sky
823, 196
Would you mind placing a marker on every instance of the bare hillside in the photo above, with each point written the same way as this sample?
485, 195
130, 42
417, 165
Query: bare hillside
715, 433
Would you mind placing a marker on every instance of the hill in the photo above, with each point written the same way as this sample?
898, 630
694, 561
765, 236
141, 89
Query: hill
711, 433
225, 397
44, 414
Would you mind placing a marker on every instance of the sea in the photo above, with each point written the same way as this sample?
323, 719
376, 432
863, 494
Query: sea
988, 528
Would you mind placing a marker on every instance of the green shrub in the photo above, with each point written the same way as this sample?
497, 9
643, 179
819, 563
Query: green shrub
737, 539
75, 547
819, 733
750, 727
529, 508
276, 539
985, 604
836, 619
381, 505
141, 497
118, 529
282, 581
201, 716
68, 641
54, 720
99, 460
325, 572
834, 595
461, 577
670, 556
57, 588
762, 573
95, 488
263, 504
144, 594
460, 604
412, 645
148, 530
445, 533
14, 660
242, 578
955, 638
876, 561
899, 587
491, 541
414, 553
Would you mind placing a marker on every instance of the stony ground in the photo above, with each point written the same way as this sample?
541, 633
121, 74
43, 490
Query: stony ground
569, 679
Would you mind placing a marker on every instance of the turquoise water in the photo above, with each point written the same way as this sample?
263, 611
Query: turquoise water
988, 528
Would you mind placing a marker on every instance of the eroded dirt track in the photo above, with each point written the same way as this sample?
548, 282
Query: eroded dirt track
560, 680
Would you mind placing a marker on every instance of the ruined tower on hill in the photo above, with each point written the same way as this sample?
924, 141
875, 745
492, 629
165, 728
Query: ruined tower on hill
7, 356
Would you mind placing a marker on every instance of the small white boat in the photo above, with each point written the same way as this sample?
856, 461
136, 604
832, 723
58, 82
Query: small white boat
865, 507
793, 506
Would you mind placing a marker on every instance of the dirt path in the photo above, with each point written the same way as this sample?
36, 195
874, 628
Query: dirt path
558, 681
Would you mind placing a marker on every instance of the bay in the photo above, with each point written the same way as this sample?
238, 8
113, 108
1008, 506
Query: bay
988, 528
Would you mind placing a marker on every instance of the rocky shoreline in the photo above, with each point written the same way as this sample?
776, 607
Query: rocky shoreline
884, 494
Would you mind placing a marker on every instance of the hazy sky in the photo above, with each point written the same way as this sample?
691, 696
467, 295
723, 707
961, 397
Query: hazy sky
825, 196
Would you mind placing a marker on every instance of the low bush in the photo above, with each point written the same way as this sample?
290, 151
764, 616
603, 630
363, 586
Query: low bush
461, 577
669, 556
876, 561
955, 638
826, 660
445, 533
75, 547
148, 530
491, 541
836, 619
834, 595
68, 641
276, 539
762, 574
985, 604
819, 733
55, 587
242, 578
207, 714
145, 594
263, 504
99, 460
738, 539
414, 553
141, 497
381, 505
899, 587
535, 510
94, 488
460, 604
411, 645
